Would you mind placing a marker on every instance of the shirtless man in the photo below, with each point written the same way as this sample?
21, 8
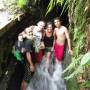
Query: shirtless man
61, 35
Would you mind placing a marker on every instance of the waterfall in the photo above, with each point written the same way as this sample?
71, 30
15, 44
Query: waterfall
48, 77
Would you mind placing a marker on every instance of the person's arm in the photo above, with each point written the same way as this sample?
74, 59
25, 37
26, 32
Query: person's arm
28, 50
68, 41
42, 46
29, 58
54, 34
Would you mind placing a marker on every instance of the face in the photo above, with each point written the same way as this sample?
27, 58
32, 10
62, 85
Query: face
29, 31
57, 23
41, 25
49, 28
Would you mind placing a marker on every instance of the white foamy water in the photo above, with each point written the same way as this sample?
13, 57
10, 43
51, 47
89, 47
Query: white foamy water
50, 78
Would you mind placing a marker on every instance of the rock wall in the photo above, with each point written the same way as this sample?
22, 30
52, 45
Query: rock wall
8, 36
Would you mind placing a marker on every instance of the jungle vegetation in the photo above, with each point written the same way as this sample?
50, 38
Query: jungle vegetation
79, 28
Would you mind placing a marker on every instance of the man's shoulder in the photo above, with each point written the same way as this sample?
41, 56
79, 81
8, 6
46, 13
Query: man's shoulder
63, 27
55, 29
35, 29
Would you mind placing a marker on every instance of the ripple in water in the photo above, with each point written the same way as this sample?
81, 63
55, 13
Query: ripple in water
48, 78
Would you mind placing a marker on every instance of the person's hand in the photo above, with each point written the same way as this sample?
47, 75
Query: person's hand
32, 68
52, 49
42, 46
23, 50
70, 52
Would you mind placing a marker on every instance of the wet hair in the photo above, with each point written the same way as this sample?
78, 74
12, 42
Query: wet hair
50, 23
57, 18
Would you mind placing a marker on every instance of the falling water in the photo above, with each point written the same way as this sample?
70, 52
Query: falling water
47, 77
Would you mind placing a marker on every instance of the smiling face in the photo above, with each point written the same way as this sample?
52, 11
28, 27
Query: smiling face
57, 23
29, 31
49, 27
41, 25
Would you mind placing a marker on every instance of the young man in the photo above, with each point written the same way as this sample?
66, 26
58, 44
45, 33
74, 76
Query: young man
61, 35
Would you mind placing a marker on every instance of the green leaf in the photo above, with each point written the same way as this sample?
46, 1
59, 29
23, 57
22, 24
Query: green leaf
60, 2
78, 70
73, 63
65, 7
50, 6
86, 84
85, 60
22, 3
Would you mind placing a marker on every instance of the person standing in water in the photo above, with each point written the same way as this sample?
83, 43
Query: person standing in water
60, 36
29, 61
32, 44
48, 41
38, 42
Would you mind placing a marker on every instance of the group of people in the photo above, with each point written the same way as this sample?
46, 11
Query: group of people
41, 40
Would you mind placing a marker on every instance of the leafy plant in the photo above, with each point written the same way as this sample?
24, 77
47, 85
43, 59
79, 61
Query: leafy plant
78, 21
85, 61
54, 3
22, 3
86, 84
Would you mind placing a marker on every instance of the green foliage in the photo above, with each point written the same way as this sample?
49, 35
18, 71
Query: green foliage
85, 60
86, 84
78, 16
53, 3
65, 6
73, 64
22, 3
18, 7
12, 7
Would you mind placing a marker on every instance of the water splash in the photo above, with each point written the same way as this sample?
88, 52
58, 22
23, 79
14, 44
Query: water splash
48, 78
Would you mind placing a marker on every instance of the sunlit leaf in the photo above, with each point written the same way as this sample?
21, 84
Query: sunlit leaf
86, 84
78, 70
85, 60
73, 63
50, 6
22, 3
